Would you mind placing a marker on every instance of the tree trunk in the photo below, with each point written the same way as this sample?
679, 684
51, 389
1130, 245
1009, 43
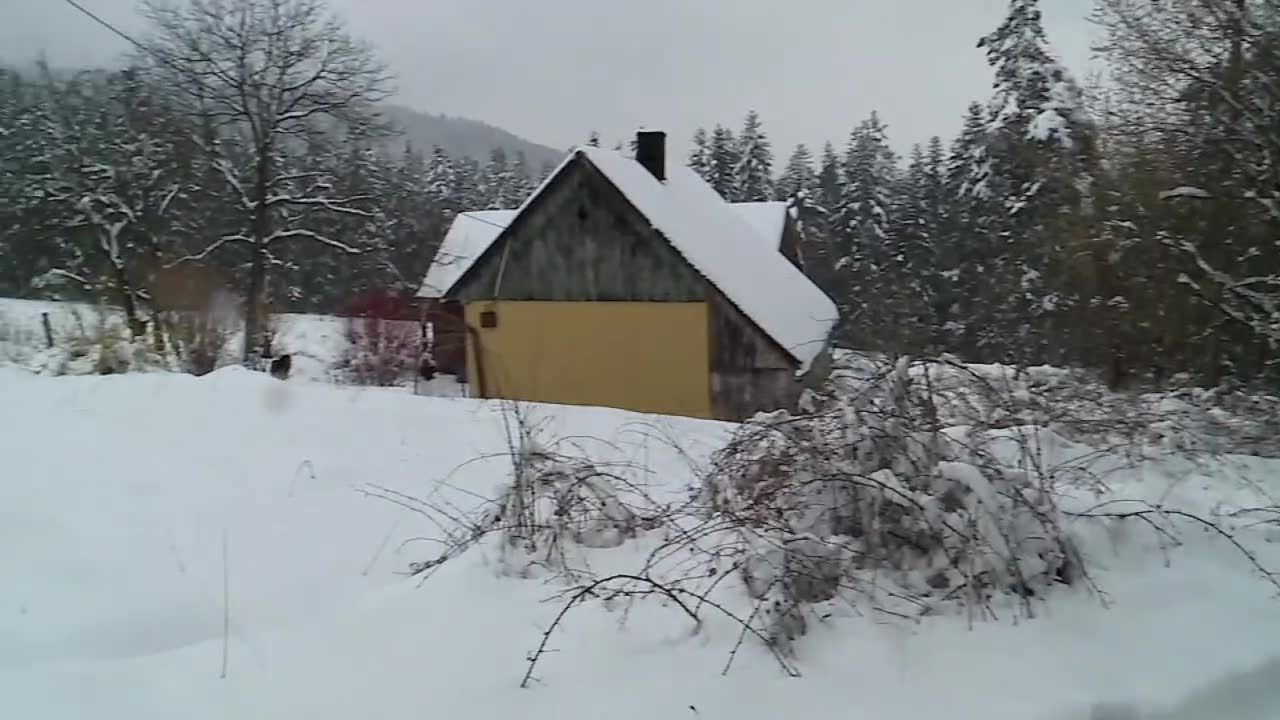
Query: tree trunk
136, 325
253, 304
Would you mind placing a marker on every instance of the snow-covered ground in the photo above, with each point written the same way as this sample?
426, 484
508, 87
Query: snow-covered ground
318, 343
118, 493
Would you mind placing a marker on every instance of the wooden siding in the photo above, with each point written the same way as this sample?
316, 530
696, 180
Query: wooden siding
737, 343
448, 337
581, 240
646, 357
750, 373
737, 395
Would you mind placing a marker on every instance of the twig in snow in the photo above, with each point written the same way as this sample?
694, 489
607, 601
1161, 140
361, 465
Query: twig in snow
226, 606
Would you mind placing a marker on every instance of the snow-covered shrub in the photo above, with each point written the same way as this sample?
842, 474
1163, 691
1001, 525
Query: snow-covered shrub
116, 354
554, 505
904, 488
200, 339
874, 492
554, 501
380, 352
100, 345
17, 342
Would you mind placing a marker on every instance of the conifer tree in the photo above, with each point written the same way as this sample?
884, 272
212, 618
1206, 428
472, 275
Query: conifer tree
753, 181
724, 162
700, 155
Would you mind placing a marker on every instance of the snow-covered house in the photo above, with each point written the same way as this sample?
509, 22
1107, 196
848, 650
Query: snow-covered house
626, 283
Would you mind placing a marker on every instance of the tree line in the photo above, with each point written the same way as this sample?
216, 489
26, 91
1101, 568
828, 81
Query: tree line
242, 146
1130, 227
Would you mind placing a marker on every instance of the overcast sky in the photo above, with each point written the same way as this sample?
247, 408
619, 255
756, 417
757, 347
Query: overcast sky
553, 70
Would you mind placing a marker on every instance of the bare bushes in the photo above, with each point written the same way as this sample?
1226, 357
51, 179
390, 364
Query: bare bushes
904, 489
18, 340
384, 341
870, 497
556, 504
98, 342
380, 352
200, 334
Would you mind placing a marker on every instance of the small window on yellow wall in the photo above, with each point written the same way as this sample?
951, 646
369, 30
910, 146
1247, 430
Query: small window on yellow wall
489, 319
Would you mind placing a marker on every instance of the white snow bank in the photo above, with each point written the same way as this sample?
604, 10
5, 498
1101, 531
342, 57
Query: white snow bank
116, 493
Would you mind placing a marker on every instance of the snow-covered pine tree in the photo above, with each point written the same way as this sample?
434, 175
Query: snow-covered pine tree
593, 139
416, 206
753, 181
799, 178
1041, 146
936, 209
908, 267
467, 184
798, 187
493, 186
863, 223
968, 248
700, 155
724, 162
830, 185
442, 184
821, 233
30, 243
519, 184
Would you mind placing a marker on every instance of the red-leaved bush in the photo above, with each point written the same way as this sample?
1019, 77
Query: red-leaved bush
384, 340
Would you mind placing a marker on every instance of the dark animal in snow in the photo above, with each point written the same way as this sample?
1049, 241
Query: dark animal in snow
280, 366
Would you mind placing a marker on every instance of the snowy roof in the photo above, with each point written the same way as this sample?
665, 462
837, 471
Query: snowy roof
470, 235
726, 245
755, 277
768, 219
473, 232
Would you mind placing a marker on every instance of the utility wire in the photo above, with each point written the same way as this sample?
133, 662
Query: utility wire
108, 25
136, 43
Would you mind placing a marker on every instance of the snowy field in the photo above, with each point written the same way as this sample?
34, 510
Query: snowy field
317, 342
118, 493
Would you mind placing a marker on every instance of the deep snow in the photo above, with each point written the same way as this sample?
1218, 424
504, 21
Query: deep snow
116, 494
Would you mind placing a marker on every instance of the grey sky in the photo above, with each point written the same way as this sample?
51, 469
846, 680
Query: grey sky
554, 70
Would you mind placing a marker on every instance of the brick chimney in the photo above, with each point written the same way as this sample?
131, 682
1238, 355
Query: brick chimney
651, 152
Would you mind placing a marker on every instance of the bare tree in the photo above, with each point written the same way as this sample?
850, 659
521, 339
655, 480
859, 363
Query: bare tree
264, 76
112, 174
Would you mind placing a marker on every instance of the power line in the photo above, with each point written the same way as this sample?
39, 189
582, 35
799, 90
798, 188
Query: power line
107, 25
141, 46
150, 51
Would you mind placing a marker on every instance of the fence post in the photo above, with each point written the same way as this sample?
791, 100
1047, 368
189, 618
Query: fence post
48, 330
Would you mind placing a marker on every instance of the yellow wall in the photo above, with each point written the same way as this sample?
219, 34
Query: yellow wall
643, 356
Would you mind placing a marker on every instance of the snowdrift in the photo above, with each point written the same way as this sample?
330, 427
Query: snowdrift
153, 526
